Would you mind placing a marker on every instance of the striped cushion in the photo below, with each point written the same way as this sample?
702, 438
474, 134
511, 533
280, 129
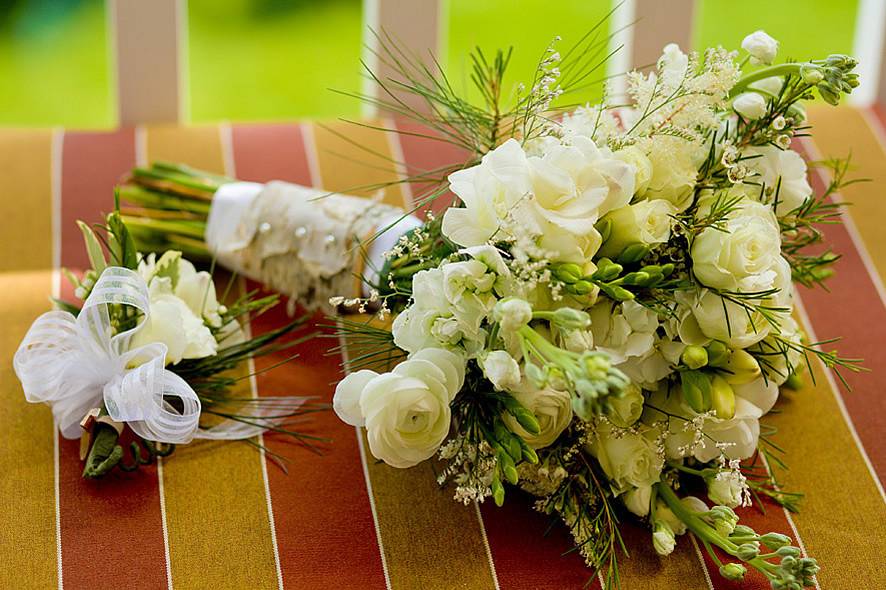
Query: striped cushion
211, 517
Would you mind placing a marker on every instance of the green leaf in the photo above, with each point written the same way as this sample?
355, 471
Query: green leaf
93, 248
167, 266
125, 254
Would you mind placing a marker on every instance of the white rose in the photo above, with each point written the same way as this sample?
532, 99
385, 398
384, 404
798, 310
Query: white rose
761, 47
744, 256
637, 158
749, 105
637, 500
625, 410
646, 222
673, 171
710, 317
501, 369
552, 409
773, 168
628, 459
174, 324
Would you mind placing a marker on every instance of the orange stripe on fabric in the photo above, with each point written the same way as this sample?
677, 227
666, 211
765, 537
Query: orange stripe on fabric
27, 487
311, 530
216, 511
116, 519
842, 515
429, 540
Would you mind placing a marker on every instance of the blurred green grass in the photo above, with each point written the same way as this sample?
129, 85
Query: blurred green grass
277, 59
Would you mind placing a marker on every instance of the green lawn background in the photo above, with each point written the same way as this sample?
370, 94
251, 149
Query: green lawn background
259, 60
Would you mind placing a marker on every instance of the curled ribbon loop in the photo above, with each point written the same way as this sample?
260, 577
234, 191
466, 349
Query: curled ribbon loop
74, 363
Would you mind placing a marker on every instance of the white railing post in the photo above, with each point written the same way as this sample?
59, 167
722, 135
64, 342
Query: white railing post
149, 40
418, 26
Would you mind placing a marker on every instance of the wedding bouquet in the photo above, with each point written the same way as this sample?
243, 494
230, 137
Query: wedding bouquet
604, 316
153, 349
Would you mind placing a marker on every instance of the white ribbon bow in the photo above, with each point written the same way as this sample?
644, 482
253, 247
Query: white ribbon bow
75, 363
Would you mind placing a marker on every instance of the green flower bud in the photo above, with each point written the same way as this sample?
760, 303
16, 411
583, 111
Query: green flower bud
717, 353
743, 531
633, 253
741, 368
582, 287
498, 492
694, 357
775, 541
793, 382
788, 551
574, 319
529, 454
811, 75
733, 571
696, 387
723, 519
616, 293
748, 551
722, 398
567, 272
639, 278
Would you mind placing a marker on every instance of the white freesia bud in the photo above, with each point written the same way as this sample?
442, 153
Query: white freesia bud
512, 313
625, 410
663, 540
501, 369
761, 47
552, 409
750, 105
627, 459
637, 500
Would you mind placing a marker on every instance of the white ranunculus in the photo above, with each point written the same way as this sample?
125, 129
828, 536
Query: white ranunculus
346, 401
637, 158
552, 409
406, 418
673, 171
645, 222
628, 459
744, 256
623, 330
501, 369
174, 324
774, 169
637, 500
452, 365
625, 410
710, 317
749, 105
761, 47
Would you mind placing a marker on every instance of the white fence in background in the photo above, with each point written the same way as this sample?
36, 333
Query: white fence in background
149, 40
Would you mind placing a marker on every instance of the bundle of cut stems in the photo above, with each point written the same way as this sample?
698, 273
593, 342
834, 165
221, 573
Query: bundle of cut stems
166, 206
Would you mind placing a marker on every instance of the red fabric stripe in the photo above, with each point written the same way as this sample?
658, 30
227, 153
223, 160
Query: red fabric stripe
111, 529
853, 311
310, 525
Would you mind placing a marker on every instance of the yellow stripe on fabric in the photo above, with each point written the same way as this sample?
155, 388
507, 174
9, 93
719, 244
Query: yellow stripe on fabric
644, 568
841, 132
26, 206
842, 517
216, 511
28, 542
355, 160
429, 540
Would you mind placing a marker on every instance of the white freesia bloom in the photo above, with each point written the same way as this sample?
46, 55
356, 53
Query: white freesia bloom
555, 198
406, 412
501, 369
623, 331
646, 222
628, 459
761, 47
175, 324
552, 409
762, 392
749, 105
744, 256
774, 169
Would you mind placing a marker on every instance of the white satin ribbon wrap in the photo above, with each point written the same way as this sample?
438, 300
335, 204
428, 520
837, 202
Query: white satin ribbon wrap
75, 363
300, 241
